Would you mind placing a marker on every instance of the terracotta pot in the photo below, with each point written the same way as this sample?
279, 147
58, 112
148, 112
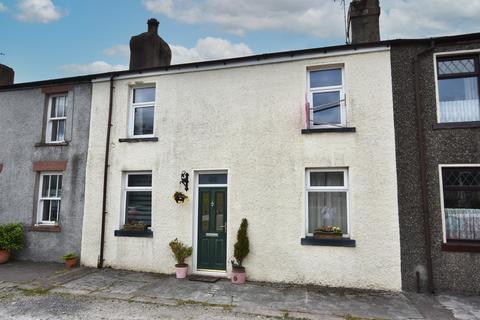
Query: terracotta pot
238, 275
181, 270
4, 256
70, 263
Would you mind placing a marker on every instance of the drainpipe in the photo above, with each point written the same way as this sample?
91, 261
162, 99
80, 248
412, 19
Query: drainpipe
423, 166
105, 175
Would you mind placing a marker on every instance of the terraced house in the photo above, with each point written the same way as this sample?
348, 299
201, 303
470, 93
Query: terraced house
292, 141
43, 160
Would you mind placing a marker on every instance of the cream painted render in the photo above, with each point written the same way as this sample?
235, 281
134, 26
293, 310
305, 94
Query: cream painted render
248, 120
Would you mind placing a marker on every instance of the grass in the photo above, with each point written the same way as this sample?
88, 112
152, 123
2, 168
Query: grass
226, 307
34, 292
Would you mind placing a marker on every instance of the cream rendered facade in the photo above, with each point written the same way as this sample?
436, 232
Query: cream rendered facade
246, 120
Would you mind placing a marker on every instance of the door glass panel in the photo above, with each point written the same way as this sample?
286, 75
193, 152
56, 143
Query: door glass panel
205, 211
213, 178
219, 206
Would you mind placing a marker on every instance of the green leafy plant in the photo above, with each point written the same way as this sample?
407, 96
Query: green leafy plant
180, 251
11, 236
242, 246
69, 256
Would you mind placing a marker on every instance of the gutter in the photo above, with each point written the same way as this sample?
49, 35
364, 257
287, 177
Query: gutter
423, 166
105, 175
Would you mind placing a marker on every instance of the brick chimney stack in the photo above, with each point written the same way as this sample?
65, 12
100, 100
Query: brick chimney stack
6, 75
363, 21
148, 49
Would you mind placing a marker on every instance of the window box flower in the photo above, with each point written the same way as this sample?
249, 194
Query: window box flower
328, 232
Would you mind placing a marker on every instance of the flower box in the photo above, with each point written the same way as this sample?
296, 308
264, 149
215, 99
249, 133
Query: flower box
327, 235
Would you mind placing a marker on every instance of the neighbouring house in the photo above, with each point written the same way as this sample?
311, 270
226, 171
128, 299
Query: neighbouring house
43, 154
437, 129
292, 141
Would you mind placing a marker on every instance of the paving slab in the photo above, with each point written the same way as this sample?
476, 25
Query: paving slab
27, 271
462, 307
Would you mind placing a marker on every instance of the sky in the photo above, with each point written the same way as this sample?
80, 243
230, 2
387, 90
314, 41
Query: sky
46, 39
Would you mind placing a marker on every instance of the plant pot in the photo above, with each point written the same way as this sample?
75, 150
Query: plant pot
238, 275
181, 270
327, 235
4, 256
71, 263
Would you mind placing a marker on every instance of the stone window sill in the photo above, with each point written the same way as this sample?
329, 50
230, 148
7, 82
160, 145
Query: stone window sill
149, 139
322, 130
342, 242
456, 125
136, 234
461, 246
53, 144
44, 228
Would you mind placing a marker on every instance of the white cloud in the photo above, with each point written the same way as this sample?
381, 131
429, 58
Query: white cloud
320, 18
94, 67
323, 19
117, 50
3, 7
209, 48
39, 11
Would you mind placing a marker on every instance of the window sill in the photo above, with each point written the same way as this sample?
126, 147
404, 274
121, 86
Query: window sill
137, 234
52, 144
456, 125
461, 246
342, 242
321, 130
44, 228
147, 139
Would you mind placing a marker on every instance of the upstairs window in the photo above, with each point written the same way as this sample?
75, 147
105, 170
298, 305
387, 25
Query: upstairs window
458, 89
461, 202
142, 110
326, 98
50, 196
57, 116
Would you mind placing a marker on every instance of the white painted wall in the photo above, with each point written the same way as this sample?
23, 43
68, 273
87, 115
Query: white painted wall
248, 120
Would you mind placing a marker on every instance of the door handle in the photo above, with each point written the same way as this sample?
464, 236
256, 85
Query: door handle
224, 226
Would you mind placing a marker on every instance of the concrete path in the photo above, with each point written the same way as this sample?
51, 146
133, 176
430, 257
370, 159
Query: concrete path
47, 281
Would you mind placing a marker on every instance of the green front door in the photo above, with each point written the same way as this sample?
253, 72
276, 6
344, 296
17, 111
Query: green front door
212, 231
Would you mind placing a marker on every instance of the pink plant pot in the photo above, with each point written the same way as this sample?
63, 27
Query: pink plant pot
238, 276
181, 272
4, 256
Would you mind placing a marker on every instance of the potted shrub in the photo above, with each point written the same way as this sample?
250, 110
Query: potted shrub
11, 238
327, 232
241, 250
180, 252
71, 259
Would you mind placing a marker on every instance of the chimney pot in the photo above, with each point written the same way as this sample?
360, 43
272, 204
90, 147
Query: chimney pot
153, 25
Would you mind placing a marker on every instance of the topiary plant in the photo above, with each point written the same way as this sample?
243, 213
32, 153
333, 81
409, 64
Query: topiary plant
11, 236
242, 247
180, 252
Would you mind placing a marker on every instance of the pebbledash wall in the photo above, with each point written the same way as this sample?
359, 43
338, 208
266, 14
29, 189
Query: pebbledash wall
23, 152
248, 120
454, 145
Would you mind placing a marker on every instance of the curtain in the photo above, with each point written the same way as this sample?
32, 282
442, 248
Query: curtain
466, 109
462, 224
327, 209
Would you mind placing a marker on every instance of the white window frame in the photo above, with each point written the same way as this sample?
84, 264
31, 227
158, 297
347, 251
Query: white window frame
341, 89
435, 71
345, 188
126, 188
440, 182
41, 198
50, 119
134, 106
